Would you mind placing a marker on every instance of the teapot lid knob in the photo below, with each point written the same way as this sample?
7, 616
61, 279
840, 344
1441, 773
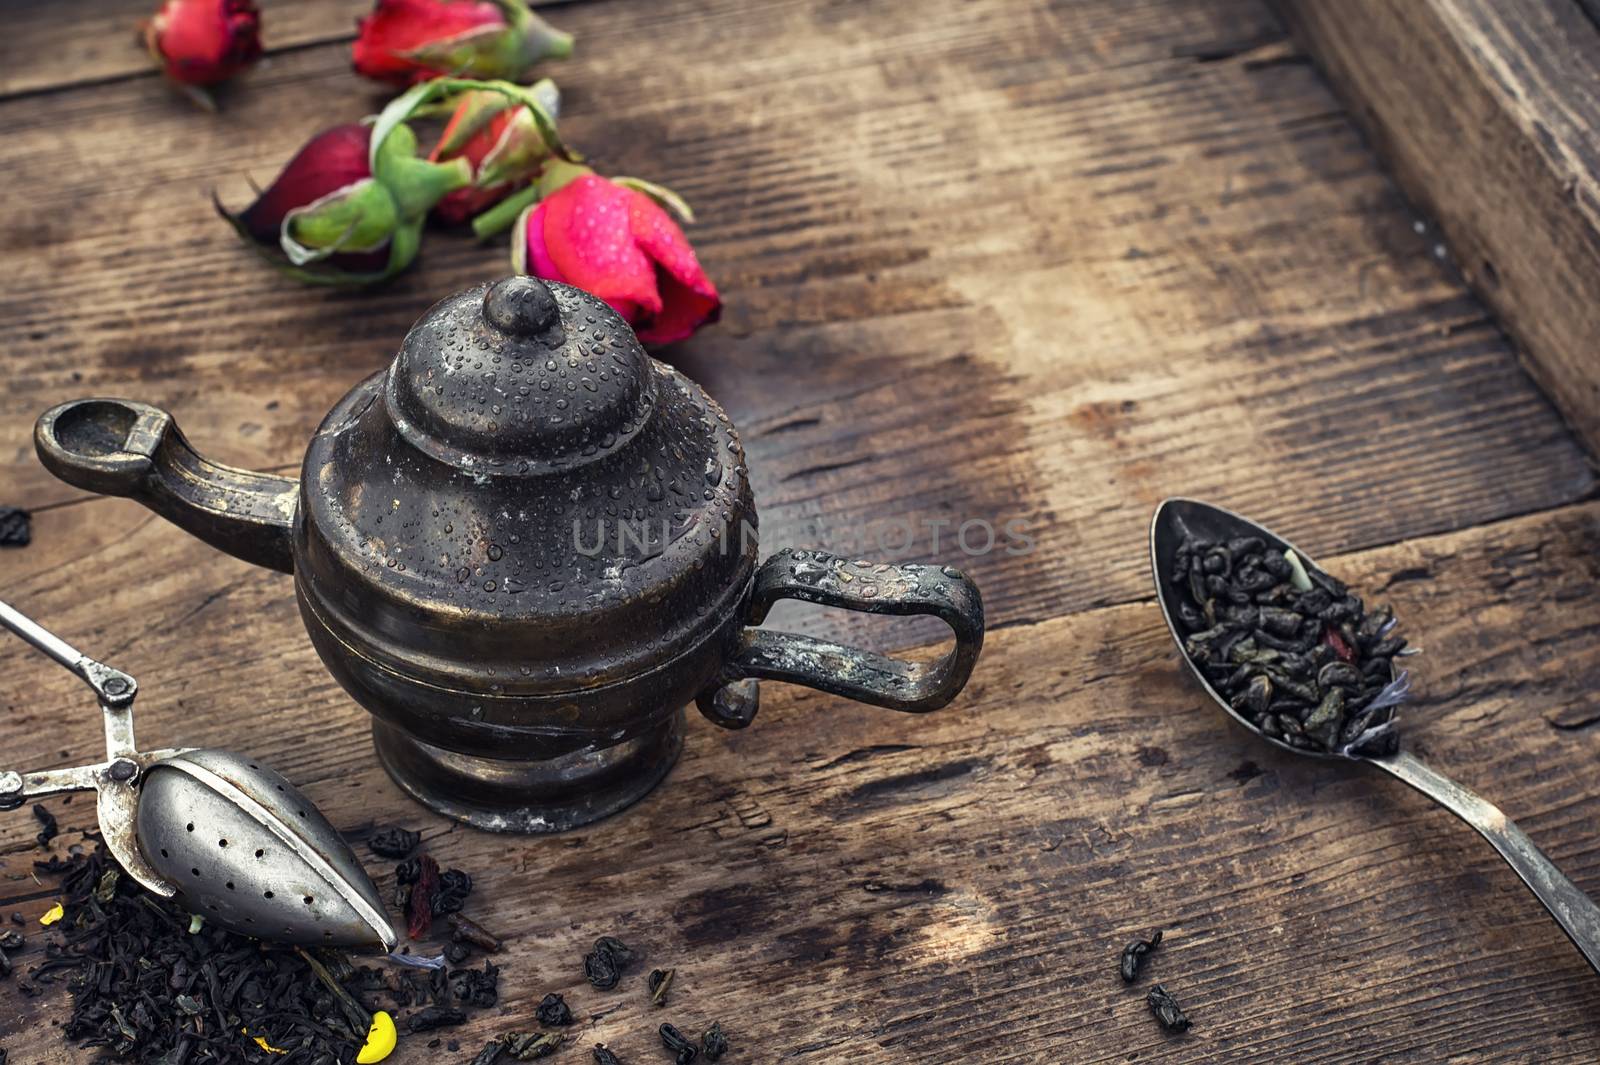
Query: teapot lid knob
521, 306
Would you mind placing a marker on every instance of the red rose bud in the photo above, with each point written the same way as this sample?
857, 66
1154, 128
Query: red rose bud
615, 242
404, 41
199, 43
356, 212
501, 142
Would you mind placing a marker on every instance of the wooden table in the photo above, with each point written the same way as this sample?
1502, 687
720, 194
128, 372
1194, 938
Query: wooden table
1045, 263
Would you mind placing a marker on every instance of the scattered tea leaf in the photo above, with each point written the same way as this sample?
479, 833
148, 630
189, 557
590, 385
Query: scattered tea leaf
394, 842
527, 1046
1167, 1010
603, 966
660, 984
713, 1043
489, 1054
16, 527
465, 930
1134, 954
678, 1044
479, 989
451, 894
48, 829
602, 1056
553, 1011
431, 1017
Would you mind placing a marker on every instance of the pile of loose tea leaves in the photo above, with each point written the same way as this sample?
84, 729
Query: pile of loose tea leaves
603, 967
151, 984
1289, 647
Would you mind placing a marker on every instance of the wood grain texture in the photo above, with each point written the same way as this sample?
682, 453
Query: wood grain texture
844, 884
61, 45
1489, 113
993, 260
68, 43
1013, 263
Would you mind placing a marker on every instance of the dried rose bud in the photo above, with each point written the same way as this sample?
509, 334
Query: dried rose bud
341, 213
405, 41
419, 909
200, 43
500, 140
616, 242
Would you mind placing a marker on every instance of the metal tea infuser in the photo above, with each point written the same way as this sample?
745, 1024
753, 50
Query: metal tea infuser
232, 840
1574, 911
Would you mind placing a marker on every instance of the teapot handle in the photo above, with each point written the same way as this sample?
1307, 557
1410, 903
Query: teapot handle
121, 448
875, 588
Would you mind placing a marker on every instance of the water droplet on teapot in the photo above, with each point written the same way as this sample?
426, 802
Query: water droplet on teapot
495, 552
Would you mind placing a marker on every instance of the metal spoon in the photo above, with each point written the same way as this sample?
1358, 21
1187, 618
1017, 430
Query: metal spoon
1577, 914
237, 842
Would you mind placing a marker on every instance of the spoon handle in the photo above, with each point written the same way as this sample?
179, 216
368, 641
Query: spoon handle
1577, 914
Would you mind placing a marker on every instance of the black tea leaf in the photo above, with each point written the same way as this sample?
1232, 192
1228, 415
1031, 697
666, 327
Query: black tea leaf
713, 1043
16, 527
553, 1011
48, 829
394, 842
660, 984
678, 1043
1167, 1010
1134, 954
603, 965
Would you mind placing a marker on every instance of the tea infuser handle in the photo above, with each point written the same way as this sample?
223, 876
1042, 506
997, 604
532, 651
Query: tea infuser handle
1576, 912
114, 687
18, 788
875, 588
121, 448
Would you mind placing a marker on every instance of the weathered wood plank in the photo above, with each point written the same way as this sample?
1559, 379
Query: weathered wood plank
69, 43
1009, 262
1489, 113
85, 42
891, 890
989, 259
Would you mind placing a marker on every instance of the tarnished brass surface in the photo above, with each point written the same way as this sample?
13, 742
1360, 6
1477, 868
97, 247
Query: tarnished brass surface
524, 547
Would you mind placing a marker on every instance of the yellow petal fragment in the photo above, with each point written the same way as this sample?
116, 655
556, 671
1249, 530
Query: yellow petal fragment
261, 1041
53, 914
380, 1040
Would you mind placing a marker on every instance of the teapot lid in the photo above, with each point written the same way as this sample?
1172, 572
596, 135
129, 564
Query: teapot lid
523, 377
526, 489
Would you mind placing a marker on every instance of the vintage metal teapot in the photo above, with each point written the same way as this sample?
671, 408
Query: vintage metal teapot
524, 548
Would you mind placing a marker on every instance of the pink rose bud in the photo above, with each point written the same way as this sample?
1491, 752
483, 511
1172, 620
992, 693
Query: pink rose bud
500, 141
616, 242
341, 213
405, 41
200, 43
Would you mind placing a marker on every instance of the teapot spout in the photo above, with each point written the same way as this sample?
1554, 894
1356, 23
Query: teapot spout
122, 448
